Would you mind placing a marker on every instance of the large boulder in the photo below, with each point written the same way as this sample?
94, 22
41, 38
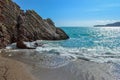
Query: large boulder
20, 44
27, 25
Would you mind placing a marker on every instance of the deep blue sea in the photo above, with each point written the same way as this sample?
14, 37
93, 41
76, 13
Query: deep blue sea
99, 44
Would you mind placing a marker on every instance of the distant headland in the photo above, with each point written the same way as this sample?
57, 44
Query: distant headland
116, 24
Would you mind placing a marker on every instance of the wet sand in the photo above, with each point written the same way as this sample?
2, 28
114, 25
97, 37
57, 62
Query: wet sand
27, 68
77, 70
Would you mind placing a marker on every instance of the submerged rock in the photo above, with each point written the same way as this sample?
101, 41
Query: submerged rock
15, 24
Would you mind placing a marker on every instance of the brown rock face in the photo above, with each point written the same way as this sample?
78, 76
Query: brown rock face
15, 24
21, 45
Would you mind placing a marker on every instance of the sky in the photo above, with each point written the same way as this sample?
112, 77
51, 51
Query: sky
75, 12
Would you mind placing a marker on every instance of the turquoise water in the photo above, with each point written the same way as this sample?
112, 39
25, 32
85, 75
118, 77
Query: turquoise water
89, 43
101, 45
92, 37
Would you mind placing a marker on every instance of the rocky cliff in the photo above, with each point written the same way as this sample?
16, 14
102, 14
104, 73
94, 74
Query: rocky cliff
16, 25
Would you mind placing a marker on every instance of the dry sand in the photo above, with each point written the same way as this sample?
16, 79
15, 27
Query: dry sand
20, 68
13, 70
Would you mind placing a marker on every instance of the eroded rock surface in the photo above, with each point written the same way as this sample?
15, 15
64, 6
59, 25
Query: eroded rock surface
15, 24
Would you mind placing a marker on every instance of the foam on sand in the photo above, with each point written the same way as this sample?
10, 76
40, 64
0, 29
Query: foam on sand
54, 67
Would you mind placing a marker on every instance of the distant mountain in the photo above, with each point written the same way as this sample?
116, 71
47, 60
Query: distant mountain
116, 24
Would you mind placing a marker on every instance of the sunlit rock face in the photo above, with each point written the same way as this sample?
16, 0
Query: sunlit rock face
15, 25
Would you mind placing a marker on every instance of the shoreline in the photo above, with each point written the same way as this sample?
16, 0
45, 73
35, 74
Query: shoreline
72, 70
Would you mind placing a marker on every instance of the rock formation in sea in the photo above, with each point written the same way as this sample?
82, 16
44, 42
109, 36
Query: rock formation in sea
16, 25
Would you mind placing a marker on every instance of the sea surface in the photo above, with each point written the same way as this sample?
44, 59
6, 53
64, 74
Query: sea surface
90, 43
97, 44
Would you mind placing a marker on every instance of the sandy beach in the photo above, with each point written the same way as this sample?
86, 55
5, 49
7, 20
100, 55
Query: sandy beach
34, 47
15, 65
14, 70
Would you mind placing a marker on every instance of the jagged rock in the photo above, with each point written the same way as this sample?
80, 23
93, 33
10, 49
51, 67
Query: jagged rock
61, 34
28, 26
20, 44
4, 36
